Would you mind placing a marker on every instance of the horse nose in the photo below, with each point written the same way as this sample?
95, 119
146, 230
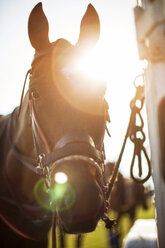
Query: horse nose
89, 198
84, 197
80, 208
81, 200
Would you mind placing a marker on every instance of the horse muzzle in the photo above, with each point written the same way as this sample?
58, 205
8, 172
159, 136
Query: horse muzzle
79, 201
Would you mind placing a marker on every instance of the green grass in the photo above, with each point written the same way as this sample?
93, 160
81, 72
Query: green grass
140, 214
99, 238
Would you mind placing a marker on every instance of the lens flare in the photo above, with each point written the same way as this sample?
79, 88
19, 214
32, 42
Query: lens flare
60, 177
90, 66
41, 194
62, 197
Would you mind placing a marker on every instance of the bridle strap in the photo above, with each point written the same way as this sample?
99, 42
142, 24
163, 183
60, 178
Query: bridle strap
37, 132
76, 148
28, 162
74, 137
71, 149
23, 91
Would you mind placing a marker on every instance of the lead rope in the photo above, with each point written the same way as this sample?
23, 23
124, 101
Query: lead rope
54, 230
133, 131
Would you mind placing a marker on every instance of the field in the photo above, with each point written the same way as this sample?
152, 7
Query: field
100, 237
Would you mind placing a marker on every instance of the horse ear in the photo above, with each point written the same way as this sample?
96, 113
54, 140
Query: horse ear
38, 28
89, 29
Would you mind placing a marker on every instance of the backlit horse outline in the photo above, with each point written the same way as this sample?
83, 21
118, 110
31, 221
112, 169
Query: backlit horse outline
51, 132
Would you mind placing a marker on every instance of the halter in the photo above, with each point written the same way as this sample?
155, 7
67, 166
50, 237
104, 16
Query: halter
72, 146
77, 143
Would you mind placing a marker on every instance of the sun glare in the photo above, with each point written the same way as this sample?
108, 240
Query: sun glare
90, 67
60, 177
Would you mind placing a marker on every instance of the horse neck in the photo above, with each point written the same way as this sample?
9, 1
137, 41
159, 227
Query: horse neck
22, 179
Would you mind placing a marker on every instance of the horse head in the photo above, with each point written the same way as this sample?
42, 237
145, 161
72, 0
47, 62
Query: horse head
68, 113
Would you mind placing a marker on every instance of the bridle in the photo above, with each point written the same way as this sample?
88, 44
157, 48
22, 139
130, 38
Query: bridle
72, 146
69, 146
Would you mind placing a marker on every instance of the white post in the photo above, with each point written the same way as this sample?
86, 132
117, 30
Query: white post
155, 92
150, 29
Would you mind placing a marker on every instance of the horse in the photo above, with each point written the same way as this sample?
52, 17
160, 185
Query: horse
59, 127
126, 195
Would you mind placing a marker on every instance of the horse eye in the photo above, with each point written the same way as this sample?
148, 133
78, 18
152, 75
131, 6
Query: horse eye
34, 94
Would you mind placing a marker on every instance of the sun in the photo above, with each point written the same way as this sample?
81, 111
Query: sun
60, 177
91, 64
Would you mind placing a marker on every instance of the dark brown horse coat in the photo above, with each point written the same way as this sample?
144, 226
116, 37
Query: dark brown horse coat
26, 220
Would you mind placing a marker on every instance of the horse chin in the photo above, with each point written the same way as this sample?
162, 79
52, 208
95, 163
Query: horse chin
74, 224
80, 227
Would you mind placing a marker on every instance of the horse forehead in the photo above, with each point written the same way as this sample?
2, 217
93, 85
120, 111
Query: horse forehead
62, 46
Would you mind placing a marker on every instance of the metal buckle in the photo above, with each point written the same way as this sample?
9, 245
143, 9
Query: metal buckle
43, 170
39, 163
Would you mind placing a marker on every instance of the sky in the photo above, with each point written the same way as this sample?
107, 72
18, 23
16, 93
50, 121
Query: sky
115, 57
